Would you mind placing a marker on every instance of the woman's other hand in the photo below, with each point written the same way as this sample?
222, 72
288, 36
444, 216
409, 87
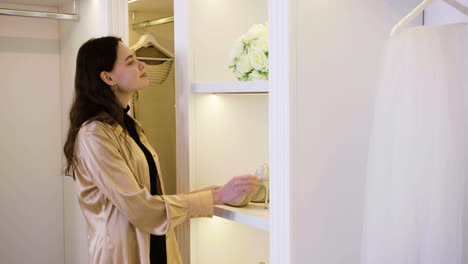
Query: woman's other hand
235, 188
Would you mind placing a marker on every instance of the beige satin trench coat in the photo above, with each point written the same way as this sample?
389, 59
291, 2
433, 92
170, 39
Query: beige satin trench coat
113, 193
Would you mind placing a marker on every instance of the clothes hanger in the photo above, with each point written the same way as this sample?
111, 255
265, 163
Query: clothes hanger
419, 9
148, 40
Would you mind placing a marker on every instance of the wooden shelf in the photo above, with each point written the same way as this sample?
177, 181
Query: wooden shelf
254, 214
256, 87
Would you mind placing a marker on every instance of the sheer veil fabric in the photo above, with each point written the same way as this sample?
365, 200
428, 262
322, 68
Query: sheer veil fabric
416, 206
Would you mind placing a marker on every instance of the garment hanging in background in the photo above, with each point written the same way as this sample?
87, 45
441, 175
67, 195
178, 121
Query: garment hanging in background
158, 73
416, 206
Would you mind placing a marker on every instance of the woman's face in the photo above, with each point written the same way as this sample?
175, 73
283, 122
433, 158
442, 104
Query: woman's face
128, 73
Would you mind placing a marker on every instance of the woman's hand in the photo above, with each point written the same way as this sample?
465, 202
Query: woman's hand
235, 188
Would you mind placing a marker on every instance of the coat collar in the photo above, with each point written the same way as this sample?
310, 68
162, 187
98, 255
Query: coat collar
118, 129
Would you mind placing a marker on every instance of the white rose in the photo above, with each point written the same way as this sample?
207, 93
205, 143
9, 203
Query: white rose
255, 31
261, 44
240, 76
237, 50
256, 76
243, 64
258, 60
244, 39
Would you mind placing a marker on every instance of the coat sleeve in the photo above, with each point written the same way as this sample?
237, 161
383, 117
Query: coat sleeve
100, 159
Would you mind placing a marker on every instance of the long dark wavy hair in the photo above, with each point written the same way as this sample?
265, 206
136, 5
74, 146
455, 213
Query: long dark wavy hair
92, 94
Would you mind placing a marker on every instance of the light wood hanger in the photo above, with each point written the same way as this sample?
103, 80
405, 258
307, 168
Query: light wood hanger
148, 40
419, 9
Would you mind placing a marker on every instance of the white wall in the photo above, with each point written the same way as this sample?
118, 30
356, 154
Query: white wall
439, 13
339, 45
214, 26
31, 201
93, 23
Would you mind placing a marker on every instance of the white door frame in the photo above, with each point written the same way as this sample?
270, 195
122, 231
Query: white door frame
281, 16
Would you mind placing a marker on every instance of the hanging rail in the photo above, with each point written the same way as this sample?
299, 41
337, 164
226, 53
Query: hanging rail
37, 14
155, 22
155, 59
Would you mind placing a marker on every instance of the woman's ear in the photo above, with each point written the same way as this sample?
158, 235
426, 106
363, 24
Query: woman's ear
105, 76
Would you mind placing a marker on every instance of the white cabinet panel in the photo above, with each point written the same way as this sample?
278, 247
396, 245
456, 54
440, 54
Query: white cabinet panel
31, 201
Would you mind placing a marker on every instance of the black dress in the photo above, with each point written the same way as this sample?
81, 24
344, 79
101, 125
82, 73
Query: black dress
157, 243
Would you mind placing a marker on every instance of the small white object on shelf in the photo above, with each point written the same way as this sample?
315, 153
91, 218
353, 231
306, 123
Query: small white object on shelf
231, 87
252, 215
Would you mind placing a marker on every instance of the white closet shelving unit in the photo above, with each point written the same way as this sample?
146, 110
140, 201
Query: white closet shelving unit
253, 215
231, 87
227, 128
222, 126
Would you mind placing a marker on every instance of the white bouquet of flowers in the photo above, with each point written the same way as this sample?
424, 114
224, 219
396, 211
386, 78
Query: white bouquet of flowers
249, 54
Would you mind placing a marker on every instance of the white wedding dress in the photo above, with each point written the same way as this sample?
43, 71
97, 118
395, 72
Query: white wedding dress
416, 209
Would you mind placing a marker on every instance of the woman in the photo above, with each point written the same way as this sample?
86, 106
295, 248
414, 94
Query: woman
119, 188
